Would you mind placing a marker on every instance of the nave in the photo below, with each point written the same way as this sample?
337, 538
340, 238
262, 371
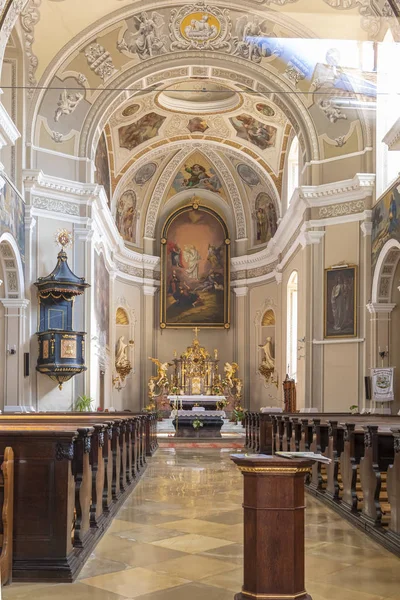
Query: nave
179, 536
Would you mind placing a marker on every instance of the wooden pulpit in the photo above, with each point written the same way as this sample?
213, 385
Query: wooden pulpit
273, 527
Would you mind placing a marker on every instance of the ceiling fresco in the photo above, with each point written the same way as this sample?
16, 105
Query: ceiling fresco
198, 98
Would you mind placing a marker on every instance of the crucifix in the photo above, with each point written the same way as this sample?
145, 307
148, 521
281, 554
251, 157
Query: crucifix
196, 332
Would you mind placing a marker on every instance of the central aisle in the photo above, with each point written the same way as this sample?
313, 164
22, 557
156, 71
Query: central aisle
179, 537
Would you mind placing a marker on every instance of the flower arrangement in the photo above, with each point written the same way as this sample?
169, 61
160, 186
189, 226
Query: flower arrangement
238, 413
197, 424
221, 404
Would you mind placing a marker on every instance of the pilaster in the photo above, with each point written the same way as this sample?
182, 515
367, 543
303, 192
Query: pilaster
241, 336
15, 340
148, 337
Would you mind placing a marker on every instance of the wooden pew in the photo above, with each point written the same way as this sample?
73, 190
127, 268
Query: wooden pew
393, 487
362, 483
7, 508
77, 468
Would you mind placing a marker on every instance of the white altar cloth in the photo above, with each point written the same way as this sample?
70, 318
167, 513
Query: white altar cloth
194, 413
197, 398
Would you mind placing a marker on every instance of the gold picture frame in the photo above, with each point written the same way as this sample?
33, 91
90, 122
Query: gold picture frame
340, 302
210, 295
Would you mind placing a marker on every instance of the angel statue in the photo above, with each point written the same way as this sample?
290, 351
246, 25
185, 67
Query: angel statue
151, 385
147, 41
269, 359
66, 104
250, 40
162, 369
230, 370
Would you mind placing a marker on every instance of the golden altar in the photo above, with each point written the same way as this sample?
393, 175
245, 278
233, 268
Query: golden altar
195, 373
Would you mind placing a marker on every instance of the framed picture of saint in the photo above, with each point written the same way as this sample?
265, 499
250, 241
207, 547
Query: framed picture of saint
195, 255
340, 302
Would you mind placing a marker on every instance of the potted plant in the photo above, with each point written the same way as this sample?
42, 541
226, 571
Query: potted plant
83, 403
354, 409
238, 414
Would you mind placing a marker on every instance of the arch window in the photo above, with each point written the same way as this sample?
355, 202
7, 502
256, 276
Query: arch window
292, 317
293, 169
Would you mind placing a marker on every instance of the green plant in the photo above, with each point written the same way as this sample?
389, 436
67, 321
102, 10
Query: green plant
197, 424
354, 409
83, 403
238, 414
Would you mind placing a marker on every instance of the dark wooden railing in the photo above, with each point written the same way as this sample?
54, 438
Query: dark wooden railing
72, 473
362, 483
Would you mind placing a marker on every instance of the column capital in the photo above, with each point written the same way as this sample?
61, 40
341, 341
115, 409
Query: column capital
380, 308
82, 234
149, 290
309, 238
17, 303
366, 228
241, 291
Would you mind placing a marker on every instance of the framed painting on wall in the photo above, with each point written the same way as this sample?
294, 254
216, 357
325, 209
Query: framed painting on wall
195, 276
340, 319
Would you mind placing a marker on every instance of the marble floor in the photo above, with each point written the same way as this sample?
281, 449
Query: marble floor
179, 537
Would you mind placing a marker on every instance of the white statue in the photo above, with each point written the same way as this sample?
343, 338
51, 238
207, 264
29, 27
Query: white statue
332, 112
121, 354
269, 359
67, 104
250, 40
147, 41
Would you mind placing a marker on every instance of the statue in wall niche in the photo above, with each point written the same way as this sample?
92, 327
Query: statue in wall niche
269, 359
67, 104
122, 363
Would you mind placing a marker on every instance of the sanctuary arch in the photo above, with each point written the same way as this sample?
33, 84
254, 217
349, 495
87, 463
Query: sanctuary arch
281, 136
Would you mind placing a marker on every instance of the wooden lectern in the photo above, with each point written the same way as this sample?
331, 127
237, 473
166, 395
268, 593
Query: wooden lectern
289, 395
273, 527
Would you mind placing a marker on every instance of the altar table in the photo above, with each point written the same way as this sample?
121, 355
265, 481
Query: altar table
211, 427
187, 402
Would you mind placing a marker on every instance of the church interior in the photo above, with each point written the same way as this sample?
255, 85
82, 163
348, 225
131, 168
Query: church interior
199, 299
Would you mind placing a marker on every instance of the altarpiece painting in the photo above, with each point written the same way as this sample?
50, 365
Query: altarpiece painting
195, 249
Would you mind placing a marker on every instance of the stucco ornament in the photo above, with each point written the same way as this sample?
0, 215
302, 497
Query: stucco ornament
66, 104
99, 60
332, 112
148, 40
252, 39
200, 26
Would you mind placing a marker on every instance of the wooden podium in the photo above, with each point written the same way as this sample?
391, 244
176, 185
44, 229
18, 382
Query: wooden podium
273, 527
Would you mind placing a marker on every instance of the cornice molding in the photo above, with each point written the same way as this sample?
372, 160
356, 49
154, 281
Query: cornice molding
392, 138
86, 204
360, 187
380, 308
8, 131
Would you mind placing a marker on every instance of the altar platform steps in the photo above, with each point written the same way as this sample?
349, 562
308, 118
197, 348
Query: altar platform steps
221, 444
229, 430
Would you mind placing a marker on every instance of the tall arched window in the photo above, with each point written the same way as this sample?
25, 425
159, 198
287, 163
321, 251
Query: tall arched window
293, 169
292, 326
